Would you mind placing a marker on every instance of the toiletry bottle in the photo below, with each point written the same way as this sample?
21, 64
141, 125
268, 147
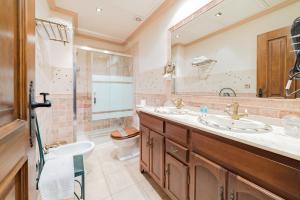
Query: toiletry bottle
260, 92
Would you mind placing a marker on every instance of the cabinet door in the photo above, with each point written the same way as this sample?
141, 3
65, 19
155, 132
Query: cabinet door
208, 180
241, 189
145, 150
176, 179
157, 157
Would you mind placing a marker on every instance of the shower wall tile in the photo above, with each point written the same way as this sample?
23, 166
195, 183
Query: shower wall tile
56, 123
62, 117
276, 108
62, 80
151, 99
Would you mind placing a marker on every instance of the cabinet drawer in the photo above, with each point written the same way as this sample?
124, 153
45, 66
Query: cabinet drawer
178, 151
152, 122
177, 133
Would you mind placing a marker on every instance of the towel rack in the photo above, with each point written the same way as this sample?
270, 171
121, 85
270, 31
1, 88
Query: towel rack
55, 31
203, 62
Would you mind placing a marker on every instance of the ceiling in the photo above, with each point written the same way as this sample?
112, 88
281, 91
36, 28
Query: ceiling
208, 22
115, 22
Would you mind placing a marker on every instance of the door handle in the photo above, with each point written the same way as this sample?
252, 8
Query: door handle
94, 98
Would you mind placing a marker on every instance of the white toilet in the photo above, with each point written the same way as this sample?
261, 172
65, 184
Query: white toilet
127, 141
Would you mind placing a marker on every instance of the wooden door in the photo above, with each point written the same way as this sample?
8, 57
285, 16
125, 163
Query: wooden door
241, 189
275, 57
17, 158
157, 157
145, 150
208, 180
176, 179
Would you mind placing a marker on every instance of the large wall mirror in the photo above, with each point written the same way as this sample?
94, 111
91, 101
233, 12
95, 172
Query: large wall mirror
236, 48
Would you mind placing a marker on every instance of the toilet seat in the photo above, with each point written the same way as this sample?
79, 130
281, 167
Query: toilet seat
130, 133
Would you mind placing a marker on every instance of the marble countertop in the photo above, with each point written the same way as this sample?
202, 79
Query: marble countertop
275, 141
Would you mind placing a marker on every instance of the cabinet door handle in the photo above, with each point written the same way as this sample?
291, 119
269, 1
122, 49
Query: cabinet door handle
174, 150
151, 142
231, 196
221, 193
167, 170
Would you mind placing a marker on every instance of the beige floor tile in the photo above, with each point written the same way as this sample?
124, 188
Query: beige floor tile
109, 167
110, 179
152, 190
118, 181
134, 160
97, 190
130, 193
134, 171
107, 155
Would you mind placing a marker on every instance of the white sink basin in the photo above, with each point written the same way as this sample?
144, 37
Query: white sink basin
226, 123
79, 148
171, 111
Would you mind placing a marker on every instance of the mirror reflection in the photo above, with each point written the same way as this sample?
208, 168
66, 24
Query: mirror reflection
240, 50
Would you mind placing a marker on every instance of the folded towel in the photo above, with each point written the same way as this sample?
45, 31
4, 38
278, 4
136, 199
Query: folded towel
57, 179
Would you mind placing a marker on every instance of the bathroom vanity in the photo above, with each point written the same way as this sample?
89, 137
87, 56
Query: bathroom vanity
191, 161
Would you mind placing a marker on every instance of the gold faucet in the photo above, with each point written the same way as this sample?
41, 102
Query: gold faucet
235, 113
178, 103
54, 145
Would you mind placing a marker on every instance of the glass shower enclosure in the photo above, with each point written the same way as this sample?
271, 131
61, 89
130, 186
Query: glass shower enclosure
104, 90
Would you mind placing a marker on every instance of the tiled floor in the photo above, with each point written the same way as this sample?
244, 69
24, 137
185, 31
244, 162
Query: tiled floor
111, 179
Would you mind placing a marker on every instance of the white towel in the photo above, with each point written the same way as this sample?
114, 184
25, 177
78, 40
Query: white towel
57, 179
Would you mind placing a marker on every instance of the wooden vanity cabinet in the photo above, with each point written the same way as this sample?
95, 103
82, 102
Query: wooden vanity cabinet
177, 178
242, 189
191, 164
208, 180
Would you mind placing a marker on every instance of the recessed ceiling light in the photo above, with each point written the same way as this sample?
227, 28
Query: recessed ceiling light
138, 19
99, 10
177, 36
218, 14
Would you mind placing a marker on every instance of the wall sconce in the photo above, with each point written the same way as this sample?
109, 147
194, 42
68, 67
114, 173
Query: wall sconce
169, 71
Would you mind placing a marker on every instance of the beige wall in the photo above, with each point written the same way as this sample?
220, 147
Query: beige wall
84, 41
153, 43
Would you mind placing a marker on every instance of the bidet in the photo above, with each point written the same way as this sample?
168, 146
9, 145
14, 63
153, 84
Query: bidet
84, 148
